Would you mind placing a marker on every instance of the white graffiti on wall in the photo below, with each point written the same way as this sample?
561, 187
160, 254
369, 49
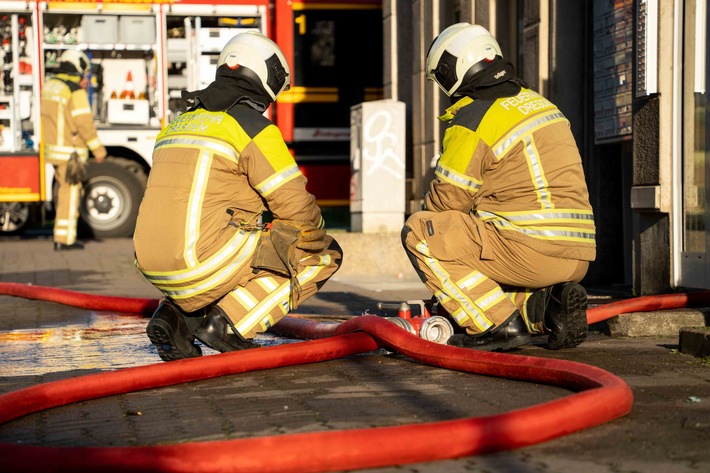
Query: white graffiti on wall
377, 131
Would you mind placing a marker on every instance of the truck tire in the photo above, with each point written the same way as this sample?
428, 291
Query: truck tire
112, 195
13, 217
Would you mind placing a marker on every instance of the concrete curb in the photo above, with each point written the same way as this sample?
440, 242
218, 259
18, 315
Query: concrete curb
368, 254
662, 323
695, 341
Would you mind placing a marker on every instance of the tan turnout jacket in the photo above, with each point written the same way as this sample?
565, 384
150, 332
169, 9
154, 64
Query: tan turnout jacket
514, 163
213, 175
67, 121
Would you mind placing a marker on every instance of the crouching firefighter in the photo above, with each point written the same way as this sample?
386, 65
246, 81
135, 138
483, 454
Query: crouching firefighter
507, 231
199, 239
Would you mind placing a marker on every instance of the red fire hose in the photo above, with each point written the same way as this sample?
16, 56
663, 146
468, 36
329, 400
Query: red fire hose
79, 299
648, 304
598, 397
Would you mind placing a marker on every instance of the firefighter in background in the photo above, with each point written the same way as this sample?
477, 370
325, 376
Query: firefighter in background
199, 239
507, 231
67, 130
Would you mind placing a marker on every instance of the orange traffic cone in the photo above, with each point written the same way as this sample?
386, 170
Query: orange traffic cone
128, 91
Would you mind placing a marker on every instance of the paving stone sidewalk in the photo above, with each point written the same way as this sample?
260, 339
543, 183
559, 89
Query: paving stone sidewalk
668, 429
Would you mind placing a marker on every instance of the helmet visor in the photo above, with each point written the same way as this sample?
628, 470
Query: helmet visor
278, 78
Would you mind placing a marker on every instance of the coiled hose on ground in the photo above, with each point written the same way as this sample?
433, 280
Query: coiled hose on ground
597, 397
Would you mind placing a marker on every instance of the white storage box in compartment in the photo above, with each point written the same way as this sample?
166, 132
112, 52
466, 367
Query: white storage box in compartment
7, 139
214, 39
127, 112
136, 29
177, 50
99, 29
206, 70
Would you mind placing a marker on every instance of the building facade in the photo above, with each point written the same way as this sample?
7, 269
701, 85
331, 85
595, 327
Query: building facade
631, 76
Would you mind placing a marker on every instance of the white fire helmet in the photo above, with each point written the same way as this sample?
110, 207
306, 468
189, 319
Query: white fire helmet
260, 55
78, 59
460, 51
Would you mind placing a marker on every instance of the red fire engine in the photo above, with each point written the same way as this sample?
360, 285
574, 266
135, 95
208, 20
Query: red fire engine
155, 49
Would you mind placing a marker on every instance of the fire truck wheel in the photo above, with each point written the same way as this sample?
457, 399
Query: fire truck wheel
13, 217
112, 195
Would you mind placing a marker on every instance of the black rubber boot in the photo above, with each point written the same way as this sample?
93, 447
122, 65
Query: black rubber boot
507, 336
535, 309
63, 246
218, 333
168, 330
566, 316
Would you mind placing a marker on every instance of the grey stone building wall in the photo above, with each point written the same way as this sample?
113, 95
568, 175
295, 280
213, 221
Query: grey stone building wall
551, 43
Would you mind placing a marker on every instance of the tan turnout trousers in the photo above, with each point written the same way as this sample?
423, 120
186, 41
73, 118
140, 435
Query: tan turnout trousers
450, 264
